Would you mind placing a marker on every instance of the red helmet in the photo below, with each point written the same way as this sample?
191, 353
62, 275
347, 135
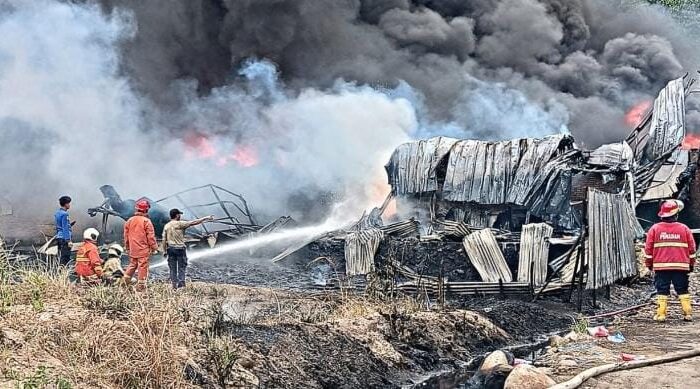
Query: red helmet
670, 208
143, 206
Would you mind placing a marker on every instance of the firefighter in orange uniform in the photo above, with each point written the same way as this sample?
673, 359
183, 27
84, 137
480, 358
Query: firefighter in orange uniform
88, 264
140, 243
670, 253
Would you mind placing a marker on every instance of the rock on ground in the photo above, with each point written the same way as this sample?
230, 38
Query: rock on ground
527, 377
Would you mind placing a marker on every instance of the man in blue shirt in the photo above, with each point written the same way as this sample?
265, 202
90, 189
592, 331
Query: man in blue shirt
63, 230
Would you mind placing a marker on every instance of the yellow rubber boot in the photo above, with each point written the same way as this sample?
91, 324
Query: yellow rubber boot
686, 307
662, 305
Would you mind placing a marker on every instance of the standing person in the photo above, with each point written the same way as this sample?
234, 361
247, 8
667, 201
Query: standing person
63, 230
670, 253
140, 243
88, 264
174, 245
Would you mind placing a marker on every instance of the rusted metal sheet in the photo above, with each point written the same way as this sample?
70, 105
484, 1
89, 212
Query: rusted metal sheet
534, 252
611, 233
412, 167
360, 248
486, 256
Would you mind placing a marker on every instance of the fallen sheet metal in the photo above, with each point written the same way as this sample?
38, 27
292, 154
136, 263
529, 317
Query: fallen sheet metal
664, 183
360, 248
452, 228
611, 234
401, 229
413, 166
534, 252
486, 256
614, 156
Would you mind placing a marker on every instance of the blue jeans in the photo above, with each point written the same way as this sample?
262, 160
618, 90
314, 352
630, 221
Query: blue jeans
177, 262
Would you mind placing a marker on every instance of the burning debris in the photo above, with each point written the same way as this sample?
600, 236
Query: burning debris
520, 216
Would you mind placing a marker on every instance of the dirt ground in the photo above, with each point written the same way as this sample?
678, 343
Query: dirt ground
643, 337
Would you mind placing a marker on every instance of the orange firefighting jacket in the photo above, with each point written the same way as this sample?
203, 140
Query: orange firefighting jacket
139, 236
670, 246
87, 261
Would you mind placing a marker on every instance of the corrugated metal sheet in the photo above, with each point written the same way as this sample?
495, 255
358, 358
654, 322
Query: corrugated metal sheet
667, 127
610, 246
664, 183
401, 229
412, 167
497, 173
614, 156
360, 248
453, 228
486, 256
534, 249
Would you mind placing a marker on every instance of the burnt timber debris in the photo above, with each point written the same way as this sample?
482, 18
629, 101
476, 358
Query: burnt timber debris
523, 216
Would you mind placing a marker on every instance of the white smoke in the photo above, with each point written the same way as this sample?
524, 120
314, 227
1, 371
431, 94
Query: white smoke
71, 121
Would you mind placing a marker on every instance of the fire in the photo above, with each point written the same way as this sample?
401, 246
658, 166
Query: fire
246, 156
201, 147
691, 142
635, 115
377, 192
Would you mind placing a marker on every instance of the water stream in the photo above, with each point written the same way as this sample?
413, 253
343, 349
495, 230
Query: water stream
282, 238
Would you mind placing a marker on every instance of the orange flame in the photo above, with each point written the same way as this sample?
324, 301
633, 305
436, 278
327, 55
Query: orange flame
378, 191
246, 156
199, 146
635, 115
691, 142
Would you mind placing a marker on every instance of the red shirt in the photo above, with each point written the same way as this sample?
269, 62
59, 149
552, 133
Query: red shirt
670, 246
139, 236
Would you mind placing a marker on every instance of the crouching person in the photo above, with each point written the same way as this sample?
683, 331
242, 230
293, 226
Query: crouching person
88, 264
113, 271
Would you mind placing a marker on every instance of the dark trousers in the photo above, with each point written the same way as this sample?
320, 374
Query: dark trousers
665, 278
63, 252
177, 262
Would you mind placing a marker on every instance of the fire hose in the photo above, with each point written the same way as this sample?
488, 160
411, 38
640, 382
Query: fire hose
582, 377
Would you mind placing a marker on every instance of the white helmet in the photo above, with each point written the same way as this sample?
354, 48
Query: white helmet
115, 250
91, 234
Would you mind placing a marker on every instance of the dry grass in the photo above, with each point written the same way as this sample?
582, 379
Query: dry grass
54, 334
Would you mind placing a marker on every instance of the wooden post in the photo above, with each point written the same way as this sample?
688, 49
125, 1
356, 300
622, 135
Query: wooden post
573, 277
580, 280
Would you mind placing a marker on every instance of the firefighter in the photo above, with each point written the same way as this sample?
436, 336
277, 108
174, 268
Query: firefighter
670, 254
88, 264
140, 243
112, 267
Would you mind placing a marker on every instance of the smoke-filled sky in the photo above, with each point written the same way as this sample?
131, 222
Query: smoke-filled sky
284, 100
